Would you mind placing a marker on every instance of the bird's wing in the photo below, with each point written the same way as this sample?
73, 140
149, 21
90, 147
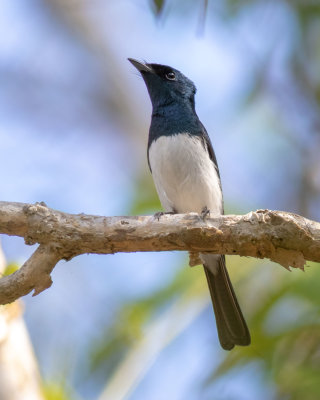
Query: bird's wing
207, 144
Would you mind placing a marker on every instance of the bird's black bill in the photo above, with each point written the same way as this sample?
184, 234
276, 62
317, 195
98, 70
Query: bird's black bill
140, 66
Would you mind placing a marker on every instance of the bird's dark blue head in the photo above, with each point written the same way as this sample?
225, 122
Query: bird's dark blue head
166, 85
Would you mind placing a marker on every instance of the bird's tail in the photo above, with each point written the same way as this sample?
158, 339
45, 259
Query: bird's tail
231, 325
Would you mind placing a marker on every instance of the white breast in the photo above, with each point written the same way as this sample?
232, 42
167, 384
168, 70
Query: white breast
185, 177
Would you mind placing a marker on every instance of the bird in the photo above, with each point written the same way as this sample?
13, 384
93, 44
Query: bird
187, 179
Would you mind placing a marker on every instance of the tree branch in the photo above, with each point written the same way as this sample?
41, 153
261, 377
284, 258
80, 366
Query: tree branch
285, 238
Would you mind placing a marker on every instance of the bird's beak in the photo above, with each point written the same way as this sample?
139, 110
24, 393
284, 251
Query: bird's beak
141, 67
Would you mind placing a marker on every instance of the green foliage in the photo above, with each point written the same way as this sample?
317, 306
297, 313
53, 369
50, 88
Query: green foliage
57, 391
307, 11
145, 200
285, 329
11, 268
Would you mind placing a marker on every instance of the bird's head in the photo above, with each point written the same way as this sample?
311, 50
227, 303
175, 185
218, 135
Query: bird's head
165, 84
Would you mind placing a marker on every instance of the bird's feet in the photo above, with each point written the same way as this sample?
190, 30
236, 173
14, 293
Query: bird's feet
159, 214
204, 212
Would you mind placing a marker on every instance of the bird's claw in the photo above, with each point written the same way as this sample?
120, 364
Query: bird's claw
160, 214
204, 212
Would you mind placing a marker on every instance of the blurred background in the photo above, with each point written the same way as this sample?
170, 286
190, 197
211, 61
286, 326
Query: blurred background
74, 118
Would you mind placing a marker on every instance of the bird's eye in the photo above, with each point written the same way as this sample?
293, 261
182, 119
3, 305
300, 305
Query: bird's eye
171, 76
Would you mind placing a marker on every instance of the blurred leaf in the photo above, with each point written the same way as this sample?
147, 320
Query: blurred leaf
145, 199
290, 356
132, 318
57, 391
158, 6
307, 11
234, 7
11, 268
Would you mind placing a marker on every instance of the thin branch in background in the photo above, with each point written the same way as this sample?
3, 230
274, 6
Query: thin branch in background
202, 18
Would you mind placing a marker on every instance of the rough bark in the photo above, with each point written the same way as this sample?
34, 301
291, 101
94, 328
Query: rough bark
285, 238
